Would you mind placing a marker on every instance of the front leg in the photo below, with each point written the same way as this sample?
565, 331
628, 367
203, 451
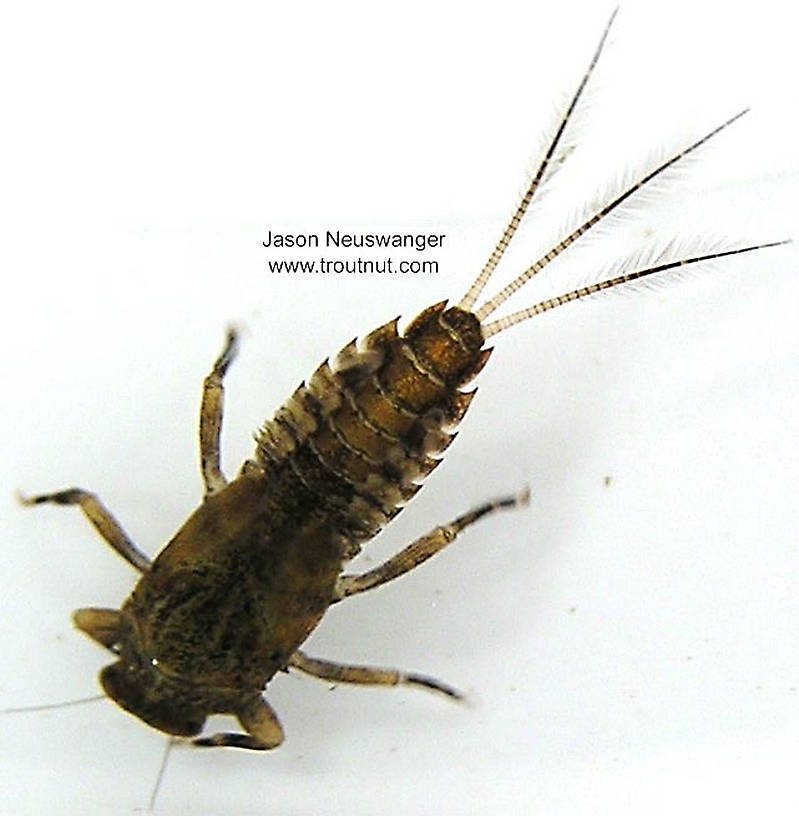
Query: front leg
211, 416
260, 722
102, 625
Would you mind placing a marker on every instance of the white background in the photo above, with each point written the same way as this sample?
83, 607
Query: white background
629, 648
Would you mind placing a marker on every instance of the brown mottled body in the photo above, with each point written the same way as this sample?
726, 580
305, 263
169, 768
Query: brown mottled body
229, 599
250, 574
234, 594
357, 438
253, 570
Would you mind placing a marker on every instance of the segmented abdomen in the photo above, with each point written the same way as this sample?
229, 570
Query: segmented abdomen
362, 434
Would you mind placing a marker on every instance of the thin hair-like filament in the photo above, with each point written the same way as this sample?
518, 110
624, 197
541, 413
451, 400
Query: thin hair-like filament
543, 171
496, 326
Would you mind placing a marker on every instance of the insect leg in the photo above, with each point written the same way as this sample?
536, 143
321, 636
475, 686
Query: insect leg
99, 515
367, 675
261, 723
421, 549
101, 625
211, 416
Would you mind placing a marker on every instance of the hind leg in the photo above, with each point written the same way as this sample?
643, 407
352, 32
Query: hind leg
211, 416
420, 550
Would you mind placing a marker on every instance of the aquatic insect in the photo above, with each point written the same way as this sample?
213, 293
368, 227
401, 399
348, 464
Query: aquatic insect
232, 597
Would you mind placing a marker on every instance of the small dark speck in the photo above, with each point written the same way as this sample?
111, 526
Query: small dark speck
572, 610
607, 480
689, 657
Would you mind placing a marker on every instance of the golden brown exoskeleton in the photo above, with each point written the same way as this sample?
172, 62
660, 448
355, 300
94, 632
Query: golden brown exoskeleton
231, 598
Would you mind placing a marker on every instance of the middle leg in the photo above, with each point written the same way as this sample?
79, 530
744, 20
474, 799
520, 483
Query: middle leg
367, 675
100, 517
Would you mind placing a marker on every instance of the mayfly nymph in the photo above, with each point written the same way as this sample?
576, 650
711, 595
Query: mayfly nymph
232, 597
